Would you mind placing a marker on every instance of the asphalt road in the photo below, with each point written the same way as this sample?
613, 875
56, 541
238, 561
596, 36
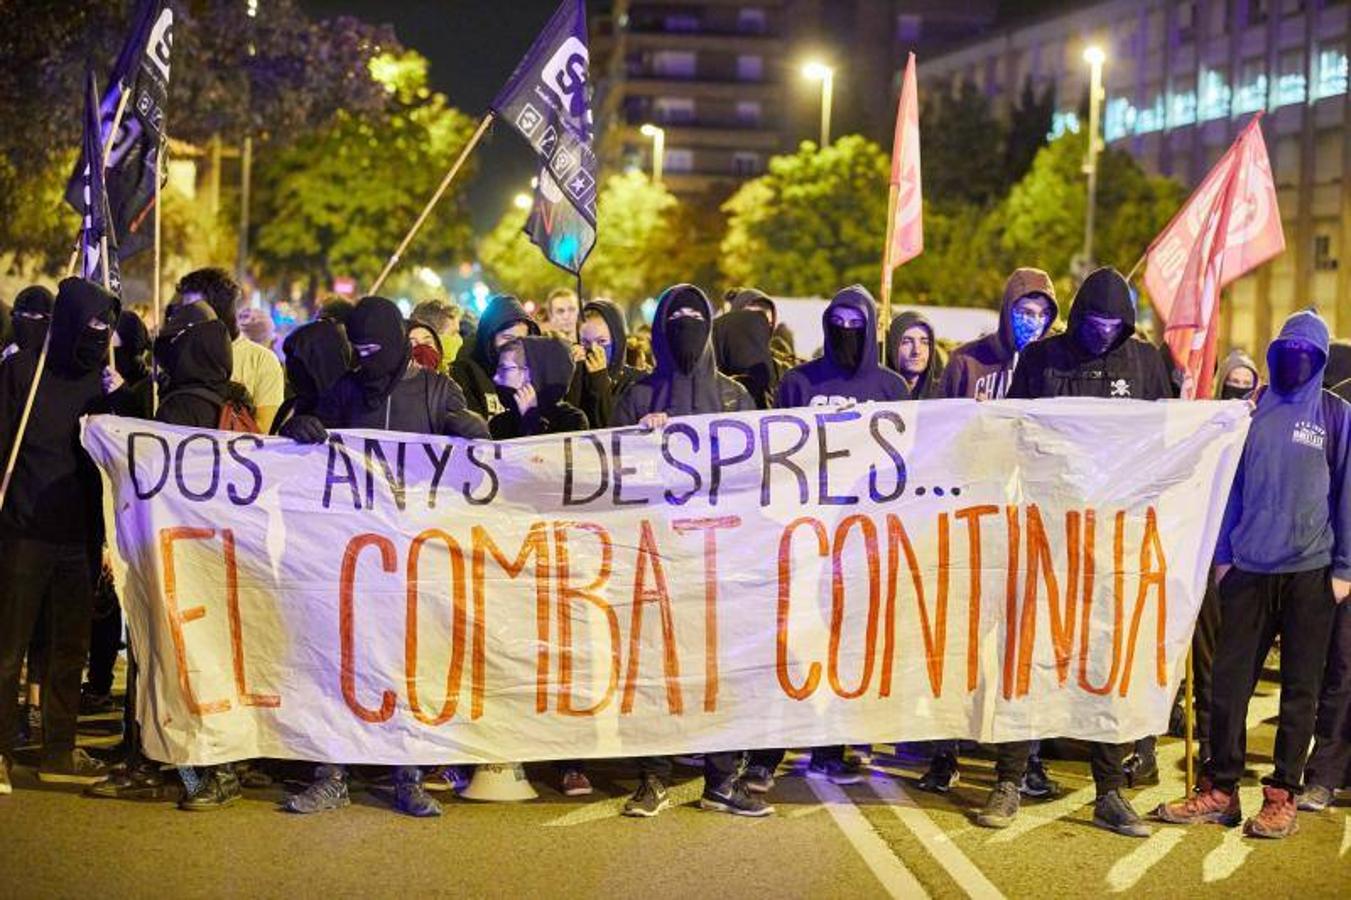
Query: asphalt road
876, 839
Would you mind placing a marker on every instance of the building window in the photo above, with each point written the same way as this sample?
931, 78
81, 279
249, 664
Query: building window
1258, 11
746, 164
1323, 258
1182, 103
749, 113
1186, 23
1292, 7
1329, 77
1063, 122
1250, 93
674, 63
1118, 120
683, 22
674, 110
750, 67
1291, 82
678, 160
1213, 95
752, 20
907, 28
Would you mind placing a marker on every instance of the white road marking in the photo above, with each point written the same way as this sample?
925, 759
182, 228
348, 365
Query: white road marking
1227, 858
1127, 871
680, 794
1346, 836
891, 873
939, 844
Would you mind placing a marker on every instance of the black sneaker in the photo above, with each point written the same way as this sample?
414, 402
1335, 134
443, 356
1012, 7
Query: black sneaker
839, 771
942, 774
142, 781
93, 703
412, 799
1141, 770
1115, 813
215, 789
649, 800
75, 767
327, 792
1036, 783
1001, 807
732, 797
758, 779
30, 726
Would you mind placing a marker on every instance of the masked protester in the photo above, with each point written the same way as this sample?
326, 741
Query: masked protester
982, 369
131, 358
1237, 377
503, 320
317, 355
1283, 564
51, 525
1339, 364
444, 319
685, 382
532, 377
848, 370
32, 313
741, 347
425, 345
913, 354
602, 372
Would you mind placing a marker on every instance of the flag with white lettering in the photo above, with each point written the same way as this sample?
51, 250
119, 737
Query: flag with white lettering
98, 239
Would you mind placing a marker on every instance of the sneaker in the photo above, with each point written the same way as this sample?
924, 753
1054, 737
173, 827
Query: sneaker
1141, 770
758, 779
6, 787
1115, 813
1001, 807
649, 800
412, 799
1277, 818
440, 781
217, 790
732, 797
942, 775
30, 726
576, 784
1208, 804
1315, 798
839, 771
75, 767
328, 791
1036, 784
142, 781
93, 703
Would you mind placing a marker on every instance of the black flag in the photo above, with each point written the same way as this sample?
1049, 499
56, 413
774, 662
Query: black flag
97, 236
142, 72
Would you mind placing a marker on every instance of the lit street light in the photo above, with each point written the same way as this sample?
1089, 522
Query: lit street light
1095, 57
819, 71
523, 201
658, 136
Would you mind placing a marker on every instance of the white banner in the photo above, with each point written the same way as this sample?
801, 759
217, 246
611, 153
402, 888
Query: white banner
791, 578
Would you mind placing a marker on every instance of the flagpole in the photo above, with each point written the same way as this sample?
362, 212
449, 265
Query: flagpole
155, 285
893, 197
431, 204
1188, 728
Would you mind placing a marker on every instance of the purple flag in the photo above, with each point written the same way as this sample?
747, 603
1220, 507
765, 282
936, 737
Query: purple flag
97, 224
547, 101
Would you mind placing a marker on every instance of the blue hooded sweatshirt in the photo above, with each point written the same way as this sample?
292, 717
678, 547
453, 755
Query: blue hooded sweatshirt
1287, 510
824, 381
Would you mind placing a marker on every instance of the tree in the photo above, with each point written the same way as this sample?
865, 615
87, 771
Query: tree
813, 223
962, 145
1029, 125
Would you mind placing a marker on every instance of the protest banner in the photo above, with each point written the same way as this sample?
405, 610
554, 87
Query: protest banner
872, 573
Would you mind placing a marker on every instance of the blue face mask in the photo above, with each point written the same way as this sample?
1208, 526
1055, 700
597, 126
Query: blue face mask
1027, 327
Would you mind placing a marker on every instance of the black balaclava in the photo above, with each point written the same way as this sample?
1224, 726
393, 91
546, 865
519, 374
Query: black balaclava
846, 345
686, 336
1105, 295
1234, 392
378, 321
75, 347
133, 345
32, 314
1295, 365
317, 355
741, 347
194, 350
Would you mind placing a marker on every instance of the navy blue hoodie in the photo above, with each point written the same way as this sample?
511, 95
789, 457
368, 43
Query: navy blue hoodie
1288, 511
823, 381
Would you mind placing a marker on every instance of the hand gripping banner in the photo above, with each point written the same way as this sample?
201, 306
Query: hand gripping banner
789, 578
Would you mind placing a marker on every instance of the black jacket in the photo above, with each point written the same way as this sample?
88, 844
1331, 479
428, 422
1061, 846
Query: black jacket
1058, 366
930, 384
473, 371
594, 393
741, 348
550, 362
196, 356
317, 355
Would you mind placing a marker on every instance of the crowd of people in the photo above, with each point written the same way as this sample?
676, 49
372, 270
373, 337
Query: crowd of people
1282, 563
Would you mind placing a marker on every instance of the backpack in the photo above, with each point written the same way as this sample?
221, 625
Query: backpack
234, 415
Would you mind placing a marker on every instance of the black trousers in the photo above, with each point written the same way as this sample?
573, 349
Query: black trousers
105, 635
1254, 608
1106, 761
1330, 764
58, 578
718, 767
1204, 639
770, 759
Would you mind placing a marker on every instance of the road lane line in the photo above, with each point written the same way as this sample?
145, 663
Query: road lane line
1035, 815
939, 844
1226, 858
1127, 871
680, 794
886, 866
1346, 835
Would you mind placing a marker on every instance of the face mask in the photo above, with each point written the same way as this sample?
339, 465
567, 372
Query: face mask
687, 338
1234, 392
1096, 336
1027, 327
846, 346
91, 348
1294, 368
427, 356
451, 343
29, 333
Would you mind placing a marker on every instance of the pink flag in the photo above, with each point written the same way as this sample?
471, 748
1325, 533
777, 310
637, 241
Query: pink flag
907, 228
1230, 225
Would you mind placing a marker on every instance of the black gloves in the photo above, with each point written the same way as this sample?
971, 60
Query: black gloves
304, 430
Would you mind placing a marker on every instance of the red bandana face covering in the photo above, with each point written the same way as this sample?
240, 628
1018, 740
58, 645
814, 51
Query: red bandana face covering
427, 357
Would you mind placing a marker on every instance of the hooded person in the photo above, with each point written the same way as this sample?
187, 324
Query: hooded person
848, 370
602, 372
1237, 376
1338, 368
51, 524
29, 319
131, 353
741, 347
1283, 564
425, 344
983, 369
739, 299
504, 318
317, 355
912, 353
532, 377
1098, 355
195, 353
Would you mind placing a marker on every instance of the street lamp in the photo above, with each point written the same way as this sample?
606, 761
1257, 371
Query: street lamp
523, 201
1095, 57
658, 136
819, 71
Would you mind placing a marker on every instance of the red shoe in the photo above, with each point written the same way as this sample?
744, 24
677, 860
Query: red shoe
1208, 804
1277, 818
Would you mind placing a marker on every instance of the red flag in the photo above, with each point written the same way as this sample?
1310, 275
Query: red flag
1230, 225
907, 226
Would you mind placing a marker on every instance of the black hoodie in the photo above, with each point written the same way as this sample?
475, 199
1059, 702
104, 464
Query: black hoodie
31, 315
825, 381
473, 371
1059, 366
595, 392
741, 347
930, 382
55, 493
129, 358
317, 355
549, 360
387, 390
196, 355
667, 389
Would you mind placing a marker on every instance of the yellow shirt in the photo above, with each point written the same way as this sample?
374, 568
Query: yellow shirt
259, 370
